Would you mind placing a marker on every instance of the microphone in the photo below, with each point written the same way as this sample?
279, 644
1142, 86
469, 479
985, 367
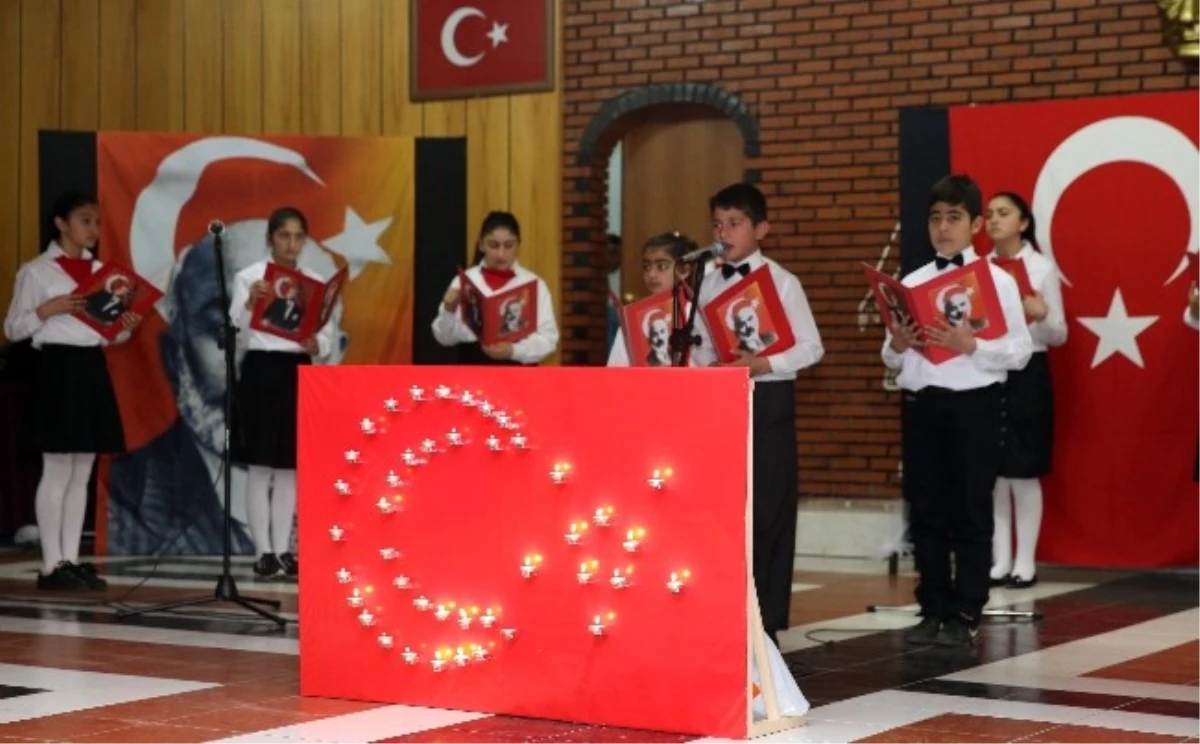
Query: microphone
716, 250
215, 228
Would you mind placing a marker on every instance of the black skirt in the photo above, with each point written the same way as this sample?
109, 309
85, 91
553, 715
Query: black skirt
471, 354
74, 407
1027, 426
264, 411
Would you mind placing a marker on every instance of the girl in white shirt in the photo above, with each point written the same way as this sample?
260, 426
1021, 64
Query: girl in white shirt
496, 270
264, 428
662, 269
1027, 431
73, 414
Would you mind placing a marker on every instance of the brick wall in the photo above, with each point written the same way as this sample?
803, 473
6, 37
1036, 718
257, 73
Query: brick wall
824, 80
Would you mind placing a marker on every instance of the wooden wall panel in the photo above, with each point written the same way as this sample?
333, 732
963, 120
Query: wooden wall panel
10, 146
118, 64
243, 69
362, 92
400, 115
281, 87
79, 93
203, 66
41, 45
320, 67
160, 88
248, 67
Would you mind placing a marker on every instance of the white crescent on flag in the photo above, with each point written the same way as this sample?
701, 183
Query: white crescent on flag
497, 35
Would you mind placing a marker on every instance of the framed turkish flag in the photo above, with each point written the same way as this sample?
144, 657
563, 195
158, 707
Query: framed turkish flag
466, 48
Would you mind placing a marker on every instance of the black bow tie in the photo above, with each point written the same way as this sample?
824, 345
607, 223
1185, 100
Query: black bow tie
728, 270
944, 262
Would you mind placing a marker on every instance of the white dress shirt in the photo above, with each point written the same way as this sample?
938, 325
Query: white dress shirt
450, 330
1044, 277
253, 340
618, 356
39, 281
807, 350
992, 358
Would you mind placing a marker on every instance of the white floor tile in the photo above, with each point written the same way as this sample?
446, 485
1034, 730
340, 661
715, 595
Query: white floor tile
69, 690
370, 725
142, 634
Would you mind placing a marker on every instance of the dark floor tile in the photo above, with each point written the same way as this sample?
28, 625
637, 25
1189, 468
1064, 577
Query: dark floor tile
511, 729
10, 691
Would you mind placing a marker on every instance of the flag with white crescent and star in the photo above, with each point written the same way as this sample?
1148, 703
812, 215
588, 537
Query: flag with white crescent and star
383, 208
1114, 186
478, 47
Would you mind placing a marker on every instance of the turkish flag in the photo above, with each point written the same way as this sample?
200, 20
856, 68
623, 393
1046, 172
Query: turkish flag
472, 47
1113, 184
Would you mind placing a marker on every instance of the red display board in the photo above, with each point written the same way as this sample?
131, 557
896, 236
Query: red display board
484, 493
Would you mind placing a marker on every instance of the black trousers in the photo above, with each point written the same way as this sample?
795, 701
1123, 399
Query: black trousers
776, 499
952, 443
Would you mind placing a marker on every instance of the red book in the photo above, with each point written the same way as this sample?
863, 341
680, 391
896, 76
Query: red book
749, 318
965, 295
110, 293
296, 306
506, 316
647, 325
1016, 269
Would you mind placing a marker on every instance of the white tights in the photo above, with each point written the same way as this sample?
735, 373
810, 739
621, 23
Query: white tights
61, 505
271, 516
1025, 494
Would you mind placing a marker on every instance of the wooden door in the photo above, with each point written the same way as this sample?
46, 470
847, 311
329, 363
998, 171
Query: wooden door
672, 163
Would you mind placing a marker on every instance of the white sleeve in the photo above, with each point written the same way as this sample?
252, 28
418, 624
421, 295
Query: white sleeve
1012, 350
327, 336
448, 327
807, 350
892, 359
239, 314
618, 356
1191, 320
22, 320
1051, 330
541, 343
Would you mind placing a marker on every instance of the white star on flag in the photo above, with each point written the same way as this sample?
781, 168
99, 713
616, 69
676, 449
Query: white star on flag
1117, 332
498, 34
358, 242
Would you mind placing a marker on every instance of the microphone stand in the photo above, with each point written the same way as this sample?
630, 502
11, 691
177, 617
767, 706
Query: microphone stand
226, 589
683, 336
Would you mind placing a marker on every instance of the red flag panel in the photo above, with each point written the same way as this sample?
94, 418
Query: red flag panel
436, 525
1113, 184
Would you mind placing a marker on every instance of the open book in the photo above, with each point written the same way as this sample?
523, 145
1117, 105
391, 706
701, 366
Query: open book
966, 295
110, 293
748, 317
507, 316
647, 325
297, 306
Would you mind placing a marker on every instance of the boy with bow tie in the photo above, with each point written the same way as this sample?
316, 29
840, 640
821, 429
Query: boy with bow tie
739, 222
952, 427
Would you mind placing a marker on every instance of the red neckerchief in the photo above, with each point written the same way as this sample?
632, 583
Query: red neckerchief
497, 278
78, 269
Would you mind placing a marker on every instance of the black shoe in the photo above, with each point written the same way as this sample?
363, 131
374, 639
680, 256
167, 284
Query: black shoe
959, 631
268, 566
61, 579
291, 565
924, 632
1002, 581
1016, 582
87, 574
